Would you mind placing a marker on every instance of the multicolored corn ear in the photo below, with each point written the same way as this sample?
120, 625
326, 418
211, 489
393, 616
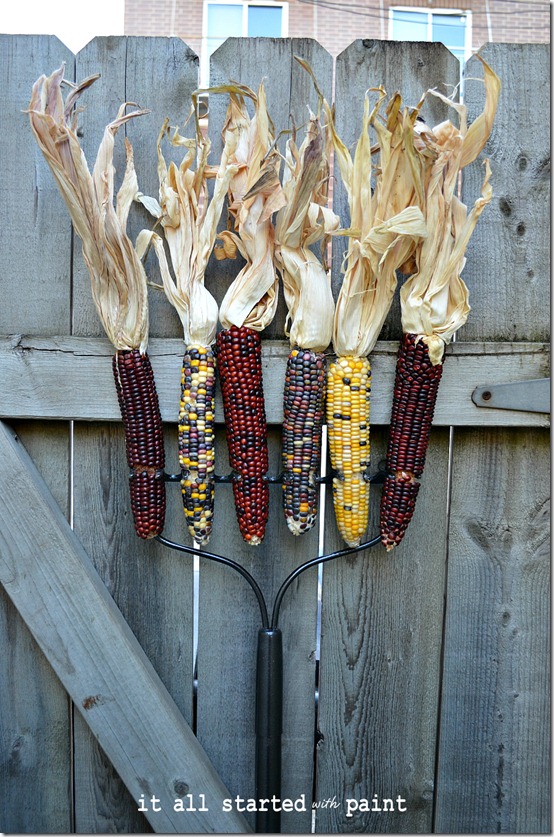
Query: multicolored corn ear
196, 440
302, 222
385, 226
303, 414
239, 359
415, 394
348, 391
189, 216
144, 439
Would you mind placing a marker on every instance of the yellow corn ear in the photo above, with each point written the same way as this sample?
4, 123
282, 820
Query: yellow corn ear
196, 440
348, 389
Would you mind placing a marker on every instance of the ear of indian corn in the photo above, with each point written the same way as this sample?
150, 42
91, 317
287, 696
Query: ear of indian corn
384, 227
348, 391
250, 302
134, 382
302, 222
239, 352
118, 280
415, 393
189, 220
303, 415
434, 302
197, 440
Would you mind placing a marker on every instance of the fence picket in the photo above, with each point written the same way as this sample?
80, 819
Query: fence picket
151, 585
496, 656
373, 633
35, 710
228, 617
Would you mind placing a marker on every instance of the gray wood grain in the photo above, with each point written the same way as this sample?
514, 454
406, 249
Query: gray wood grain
51, 581
35, 230
228, 619
411, 68
152, 587
494, 759
31, 368
228, 624
374, 686
493, 770
380, 664
508, 256
34, 721
34, 725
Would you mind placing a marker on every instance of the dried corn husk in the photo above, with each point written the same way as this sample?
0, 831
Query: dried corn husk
189, 219
435, 299
301, 223
385, 224
119, 286
255, 194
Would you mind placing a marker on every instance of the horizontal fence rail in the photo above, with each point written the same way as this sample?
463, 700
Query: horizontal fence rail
31, 367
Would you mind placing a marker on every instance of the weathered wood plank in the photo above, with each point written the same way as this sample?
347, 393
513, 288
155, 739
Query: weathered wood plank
35, 729
34, 720
493, 757
35, 299
96, 776
228, 618
380, 665
508, 257
152, 588
50, 579
31, 369
228, 624
493, 769
378, 691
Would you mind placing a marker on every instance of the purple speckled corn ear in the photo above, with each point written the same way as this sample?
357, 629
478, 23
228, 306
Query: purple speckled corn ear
303, 414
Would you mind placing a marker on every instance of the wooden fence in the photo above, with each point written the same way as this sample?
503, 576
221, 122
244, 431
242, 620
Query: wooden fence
431, 665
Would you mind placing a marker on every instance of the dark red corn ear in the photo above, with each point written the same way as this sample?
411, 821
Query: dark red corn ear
397, 507
415, 395
303, 413
239, 360
144, 440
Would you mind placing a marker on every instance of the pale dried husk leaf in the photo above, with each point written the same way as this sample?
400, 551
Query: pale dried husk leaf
189, 220
255, 193
385, 223
435, 300
118, 280
304, 221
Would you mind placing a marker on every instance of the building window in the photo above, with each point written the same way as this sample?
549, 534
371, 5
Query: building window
229, 18
452, 28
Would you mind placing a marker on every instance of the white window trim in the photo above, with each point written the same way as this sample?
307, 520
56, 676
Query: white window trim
468, 50
205, 59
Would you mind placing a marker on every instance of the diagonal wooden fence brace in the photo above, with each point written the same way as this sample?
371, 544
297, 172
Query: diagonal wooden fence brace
52, 583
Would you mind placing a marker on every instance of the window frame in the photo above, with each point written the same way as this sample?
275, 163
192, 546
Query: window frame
468, 49
205, 58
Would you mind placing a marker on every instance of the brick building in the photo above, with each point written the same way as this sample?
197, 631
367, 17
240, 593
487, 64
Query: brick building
463, 27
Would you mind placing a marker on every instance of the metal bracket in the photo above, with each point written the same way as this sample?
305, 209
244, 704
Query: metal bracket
527, 396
